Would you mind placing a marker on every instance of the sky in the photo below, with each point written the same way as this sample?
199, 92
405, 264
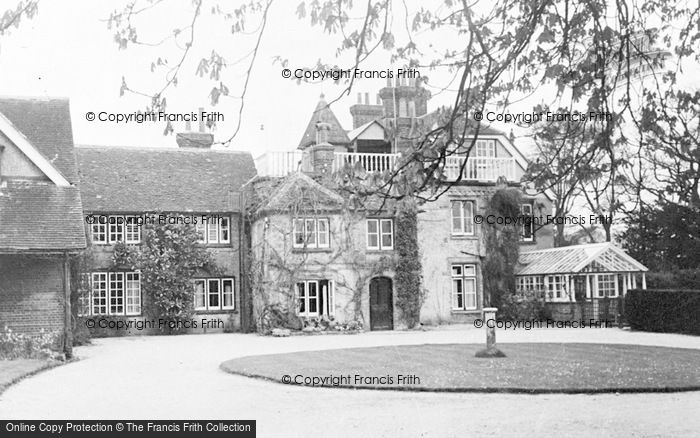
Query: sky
67, 50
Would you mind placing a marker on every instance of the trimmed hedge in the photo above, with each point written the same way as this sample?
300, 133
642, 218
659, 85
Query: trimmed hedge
683, 279
667, 311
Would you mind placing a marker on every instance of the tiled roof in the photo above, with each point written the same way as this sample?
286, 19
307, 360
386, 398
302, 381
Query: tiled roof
323, 113
577, 258
46, 124
40, 216
130, 179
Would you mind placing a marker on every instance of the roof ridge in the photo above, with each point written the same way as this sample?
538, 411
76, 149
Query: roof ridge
159, 148
33, 97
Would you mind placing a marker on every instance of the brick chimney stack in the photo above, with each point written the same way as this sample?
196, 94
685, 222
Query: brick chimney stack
191, 139
322, 153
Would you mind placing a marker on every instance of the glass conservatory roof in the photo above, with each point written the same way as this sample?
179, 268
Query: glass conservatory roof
594, 257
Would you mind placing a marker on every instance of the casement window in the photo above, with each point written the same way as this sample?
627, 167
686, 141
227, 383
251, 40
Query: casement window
214, 230
607, 286
380, 234
133, 293
110, 293
527, 230
485, 149
531, 283
463, 218
132, 230
463, 287
311, 233
214, 294
556, 287
315, 298
84, 295
116, 293
99, 233
116, 229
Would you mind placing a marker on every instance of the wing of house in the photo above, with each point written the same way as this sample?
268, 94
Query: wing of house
193, 182
41, 222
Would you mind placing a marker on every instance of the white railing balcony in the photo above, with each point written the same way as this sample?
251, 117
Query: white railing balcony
281, 163
370, 162
479, 169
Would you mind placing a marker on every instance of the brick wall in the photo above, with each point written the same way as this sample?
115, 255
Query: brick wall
31, 293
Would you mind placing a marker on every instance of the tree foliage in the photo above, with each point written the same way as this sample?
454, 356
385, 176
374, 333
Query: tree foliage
664, 237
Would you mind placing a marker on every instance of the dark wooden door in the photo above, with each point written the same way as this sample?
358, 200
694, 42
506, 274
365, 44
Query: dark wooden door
381, 305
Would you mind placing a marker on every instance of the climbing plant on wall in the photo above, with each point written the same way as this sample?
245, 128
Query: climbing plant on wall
168, 258
502, 243
409, 293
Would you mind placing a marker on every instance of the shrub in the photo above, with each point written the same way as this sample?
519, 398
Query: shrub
523, 305
21, 346
667, 311
277, 316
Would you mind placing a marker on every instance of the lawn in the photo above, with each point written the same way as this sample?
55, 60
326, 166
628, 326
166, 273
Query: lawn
533, 368
14, 370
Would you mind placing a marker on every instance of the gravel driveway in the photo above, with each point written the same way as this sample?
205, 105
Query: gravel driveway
179, 377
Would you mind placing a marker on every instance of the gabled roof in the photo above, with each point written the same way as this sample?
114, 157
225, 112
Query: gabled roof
323, 113
41, 215
130, 179
595, 257
41, 129
352, 135
300, 191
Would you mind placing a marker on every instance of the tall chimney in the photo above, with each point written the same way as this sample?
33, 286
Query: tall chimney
191, 139
322, 153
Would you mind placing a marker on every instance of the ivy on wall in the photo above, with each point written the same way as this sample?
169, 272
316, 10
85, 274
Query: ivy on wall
409, 293
503, 247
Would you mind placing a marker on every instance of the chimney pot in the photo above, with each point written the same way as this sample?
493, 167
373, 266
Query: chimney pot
366, 98
359, 97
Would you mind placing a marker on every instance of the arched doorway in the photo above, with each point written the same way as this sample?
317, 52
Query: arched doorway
381, 304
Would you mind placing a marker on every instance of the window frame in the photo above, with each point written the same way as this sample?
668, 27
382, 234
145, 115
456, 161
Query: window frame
301, 228
464, 219
380, 234
461, 278
98, 232
99, 298
207, 294
524, 225
552, 287
608, 292
324, 298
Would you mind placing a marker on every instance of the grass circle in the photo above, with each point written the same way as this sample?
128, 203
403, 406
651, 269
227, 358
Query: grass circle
528, 368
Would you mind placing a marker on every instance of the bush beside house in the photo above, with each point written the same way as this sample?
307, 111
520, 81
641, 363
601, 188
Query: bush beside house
666, 311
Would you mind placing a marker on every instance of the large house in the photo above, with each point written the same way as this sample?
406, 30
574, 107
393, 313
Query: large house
284, 233
338, 264
41, 226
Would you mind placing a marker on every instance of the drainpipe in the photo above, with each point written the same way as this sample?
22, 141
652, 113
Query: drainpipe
67, 316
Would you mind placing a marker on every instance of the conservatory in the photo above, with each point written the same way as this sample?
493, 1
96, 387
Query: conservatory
593, 275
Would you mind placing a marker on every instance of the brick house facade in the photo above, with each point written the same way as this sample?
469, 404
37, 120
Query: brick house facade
125, 185
40, 216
